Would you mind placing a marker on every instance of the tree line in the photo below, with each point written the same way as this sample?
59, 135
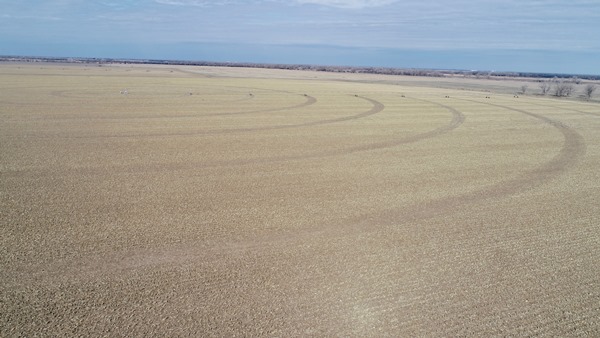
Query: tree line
560, 85
565, 87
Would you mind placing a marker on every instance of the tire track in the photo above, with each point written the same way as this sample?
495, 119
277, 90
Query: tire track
457, 119
223, 249
377, 107
572, 150
189, 72
571, 102
72, 94
570, 109
307, 102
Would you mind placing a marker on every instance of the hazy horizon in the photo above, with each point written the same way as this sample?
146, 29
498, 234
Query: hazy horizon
508, 35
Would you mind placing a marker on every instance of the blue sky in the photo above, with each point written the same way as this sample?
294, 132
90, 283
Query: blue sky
560, 36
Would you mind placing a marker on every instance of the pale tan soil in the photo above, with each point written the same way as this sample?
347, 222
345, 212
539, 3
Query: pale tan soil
276, 203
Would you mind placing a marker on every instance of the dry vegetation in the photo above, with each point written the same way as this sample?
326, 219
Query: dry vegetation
222, 202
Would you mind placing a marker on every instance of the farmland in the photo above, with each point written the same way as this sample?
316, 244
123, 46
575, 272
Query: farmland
171, 200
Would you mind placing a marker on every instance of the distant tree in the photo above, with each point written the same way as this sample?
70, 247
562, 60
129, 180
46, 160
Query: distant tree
563, 88
524, 88
589, 90
545, 87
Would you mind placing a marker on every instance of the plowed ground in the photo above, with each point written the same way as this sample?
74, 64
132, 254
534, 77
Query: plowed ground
151, 201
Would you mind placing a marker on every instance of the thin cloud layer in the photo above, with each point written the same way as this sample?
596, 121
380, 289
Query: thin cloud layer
347, 4
197, 3
561, 26
353, 4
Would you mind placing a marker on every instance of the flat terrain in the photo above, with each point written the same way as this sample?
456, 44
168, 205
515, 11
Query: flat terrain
190, 201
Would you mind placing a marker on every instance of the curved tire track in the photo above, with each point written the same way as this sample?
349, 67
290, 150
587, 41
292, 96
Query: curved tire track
309, 101
571, 109
572, 150
457, 119
137, 258
72, 94
377, 107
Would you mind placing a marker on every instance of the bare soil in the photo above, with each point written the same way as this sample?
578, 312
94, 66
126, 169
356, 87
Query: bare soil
199, 201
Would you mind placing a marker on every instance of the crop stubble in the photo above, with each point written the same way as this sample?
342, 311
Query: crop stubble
291, 205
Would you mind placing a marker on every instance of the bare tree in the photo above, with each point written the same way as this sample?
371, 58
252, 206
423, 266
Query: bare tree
569, 89
589, 90
524, 88
545, 87
563, 88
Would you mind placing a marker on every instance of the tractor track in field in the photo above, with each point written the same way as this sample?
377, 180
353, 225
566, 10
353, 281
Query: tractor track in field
71, 94
233, 254
377, 107
571, 152
570, 109
457, 118
177, 255
423, 216
309, 100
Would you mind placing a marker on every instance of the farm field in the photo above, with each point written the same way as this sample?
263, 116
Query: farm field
192, 201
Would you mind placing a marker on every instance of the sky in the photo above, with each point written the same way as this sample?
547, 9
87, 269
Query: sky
550, 36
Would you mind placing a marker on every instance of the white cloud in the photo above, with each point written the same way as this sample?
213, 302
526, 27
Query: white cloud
174, 2
196, 3
352, 4
31, 17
